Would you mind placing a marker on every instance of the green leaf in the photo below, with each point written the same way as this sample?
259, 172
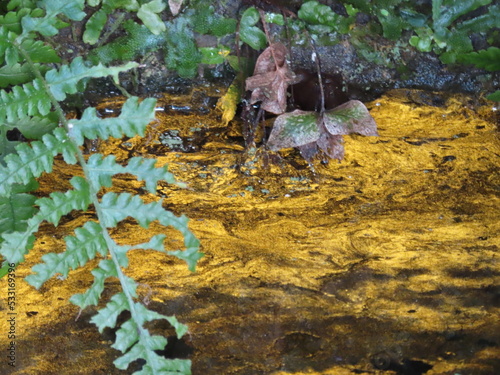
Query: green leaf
126, 336
32, 160
444, 12
482, 23
145, 170
107, 316
155, 364
315, 13
94, 26
101, 170
488, 59
92, 295
65, 80
413, 18
40, 52
72, 9
495, 96
148, 14
294, 129
49, 24
392, 25
13, 4
36, 127
213, 55
116, 207
27, 100
80, 249
12, 20
275, 18
60, 204
132, 121
15, 210
249, 33
16, 74
15, 245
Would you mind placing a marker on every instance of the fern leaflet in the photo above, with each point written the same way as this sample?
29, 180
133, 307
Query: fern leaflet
133, 120
79, 251
30, 162
65, 80
27, 100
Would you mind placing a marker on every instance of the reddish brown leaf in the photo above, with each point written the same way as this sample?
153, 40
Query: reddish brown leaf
350, 117
271, 79
332, 145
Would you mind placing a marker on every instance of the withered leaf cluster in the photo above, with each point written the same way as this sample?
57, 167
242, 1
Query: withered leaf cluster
270, 80
310, 131
313, 131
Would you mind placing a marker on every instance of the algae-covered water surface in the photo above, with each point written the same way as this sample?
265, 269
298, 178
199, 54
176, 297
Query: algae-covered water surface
386, 262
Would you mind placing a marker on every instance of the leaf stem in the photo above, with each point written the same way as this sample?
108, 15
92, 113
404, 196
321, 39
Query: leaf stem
317, 60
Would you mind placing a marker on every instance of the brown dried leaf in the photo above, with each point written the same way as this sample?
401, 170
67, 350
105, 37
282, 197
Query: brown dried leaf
332, 145
271, 79
175, 6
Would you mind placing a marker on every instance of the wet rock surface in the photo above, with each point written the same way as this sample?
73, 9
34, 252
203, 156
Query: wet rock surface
383, 263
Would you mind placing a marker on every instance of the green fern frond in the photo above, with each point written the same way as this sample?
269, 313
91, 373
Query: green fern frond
148, 13
117, 207
15, 245
12, 20
94, 26
19, 4
145, 170
101, 170
133, 120
15, 209
31, 161
136, 342
155, 364
79, 250
49, 24
17, 74
107, 316
65, 80
27, 100
35, 127
92, 295
40, 52
60, 204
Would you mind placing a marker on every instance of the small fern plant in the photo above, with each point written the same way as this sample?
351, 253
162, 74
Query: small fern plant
38, 100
